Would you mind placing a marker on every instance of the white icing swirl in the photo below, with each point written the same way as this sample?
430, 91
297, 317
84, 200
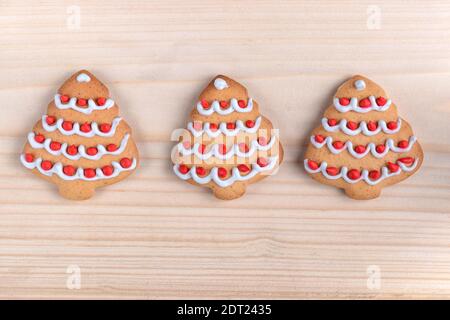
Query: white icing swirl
79, 175
235, 176
353, 105
362, 128
215, 107
220, 84
222, 129
385, 173
83, 77
101, 150
72, 104
95, 130
235, 150
371, 147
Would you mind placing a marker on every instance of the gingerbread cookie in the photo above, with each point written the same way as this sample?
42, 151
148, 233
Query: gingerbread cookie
362, 145
228, 144
81, 143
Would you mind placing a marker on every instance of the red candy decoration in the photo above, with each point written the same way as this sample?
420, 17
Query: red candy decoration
352, 125
406, 160
64, 99
46, 165
50, 120
392, 125
313, 165
105, 127
365, 103
85, 127
222, 149
319, 138
262, 162
39, 138
205, 104
72, 150
250, 123
243, 147
213, 126
200, 171
224, 104
231, 126
89, 173
242, 104
81, 102
92, 151
262, 141
338, 144
354, 174
372, 125
29, 157
108, 170
360, 149
380, 148
403, 144
332, 171
126, 163
243, 168
197, 126
202, 148
55, 146
69, 170
101, 101
381, 101
67, 125
344, 101
111, 147
374, 174
222, 172
393, 167
332, 122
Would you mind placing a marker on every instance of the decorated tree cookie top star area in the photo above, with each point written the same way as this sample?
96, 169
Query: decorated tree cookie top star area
228, 144
81, 143
362, 145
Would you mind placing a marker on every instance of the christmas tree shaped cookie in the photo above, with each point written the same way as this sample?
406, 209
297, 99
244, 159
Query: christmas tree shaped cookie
81, 143
228, 144
362, 145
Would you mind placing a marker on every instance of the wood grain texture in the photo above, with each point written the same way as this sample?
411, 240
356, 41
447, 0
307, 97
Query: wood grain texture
153, 236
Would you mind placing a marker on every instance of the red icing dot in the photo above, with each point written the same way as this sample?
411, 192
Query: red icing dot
222, 172
67, 125
365, 103
64, 99
262, 162
403, 144
29, 157
50, 120
197, 126
332, 171
111, 147
250, 123
105, 127
72, 150
55, 145
380, 148
69, 170
344, 101
231, 126
243, 168
108, 170
89, 173
213, 126
381, 101
338, 144
85, 127
392, 125
313, 165
202, 148
126, 163
186, 144
222, 149
352, 125
360, 149
46, 165
200, 171
224, 104
393, 167
374, 174
183, 169
81, 102
92, 151
242, 104
332, 122
406, 160
205, 104
262, 141
372, 125
39, 138
319, 138
243, 147
101, 101
353, 174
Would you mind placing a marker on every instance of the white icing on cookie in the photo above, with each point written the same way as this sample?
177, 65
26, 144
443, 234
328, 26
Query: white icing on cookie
83, 77
215, 107
220, 84
234, 150
385, 173
371, 147
235, 176
342, 125
72, 104
353, 106
95, 130
101, 150
360, 85
79, 175
222, 129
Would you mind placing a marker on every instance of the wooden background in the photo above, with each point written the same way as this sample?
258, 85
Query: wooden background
153, 236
